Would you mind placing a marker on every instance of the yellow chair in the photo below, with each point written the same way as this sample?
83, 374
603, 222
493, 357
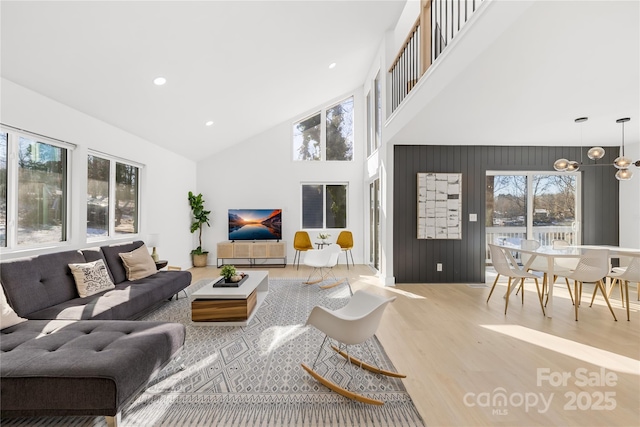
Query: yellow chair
301, 243
345, 241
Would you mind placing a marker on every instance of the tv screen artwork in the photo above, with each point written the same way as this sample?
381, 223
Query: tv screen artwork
255, 224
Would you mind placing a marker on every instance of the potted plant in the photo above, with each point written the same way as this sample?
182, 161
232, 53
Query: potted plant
200, 218
228, 272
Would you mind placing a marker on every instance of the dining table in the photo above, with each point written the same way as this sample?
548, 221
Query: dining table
551, 254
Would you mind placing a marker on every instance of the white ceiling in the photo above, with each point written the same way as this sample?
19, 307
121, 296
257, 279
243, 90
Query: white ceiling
245, 65
249, 66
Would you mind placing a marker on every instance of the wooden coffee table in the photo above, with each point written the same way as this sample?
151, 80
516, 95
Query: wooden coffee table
229, 306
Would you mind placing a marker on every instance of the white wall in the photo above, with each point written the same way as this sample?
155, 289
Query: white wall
260, 173
630, 200
166, 177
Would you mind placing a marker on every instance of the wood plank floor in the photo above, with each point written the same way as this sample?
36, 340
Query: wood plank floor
468, 364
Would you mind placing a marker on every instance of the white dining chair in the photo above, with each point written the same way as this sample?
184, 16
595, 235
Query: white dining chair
593, 266
622, 276
508, 268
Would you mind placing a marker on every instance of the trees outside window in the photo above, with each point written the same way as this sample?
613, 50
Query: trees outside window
324, 206
325, 135
112, 197
33, 190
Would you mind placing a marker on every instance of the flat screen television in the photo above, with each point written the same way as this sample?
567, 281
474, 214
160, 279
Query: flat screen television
255, 224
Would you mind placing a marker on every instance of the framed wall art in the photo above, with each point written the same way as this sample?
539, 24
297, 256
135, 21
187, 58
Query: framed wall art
439, 205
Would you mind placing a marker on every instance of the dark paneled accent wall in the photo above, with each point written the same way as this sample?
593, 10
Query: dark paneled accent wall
414, 261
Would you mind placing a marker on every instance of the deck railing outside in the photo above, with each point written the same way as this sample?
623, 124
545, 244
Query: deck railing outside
513, 235
437, 25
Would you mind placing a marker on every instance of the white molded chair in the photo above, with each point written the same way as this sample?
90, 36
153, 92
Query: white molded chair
352, 324
622, 275
593, 266
322, 261
507, 267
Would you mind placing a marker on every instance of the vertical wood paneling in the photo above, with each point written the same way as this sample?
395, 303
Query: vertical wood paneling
463, 260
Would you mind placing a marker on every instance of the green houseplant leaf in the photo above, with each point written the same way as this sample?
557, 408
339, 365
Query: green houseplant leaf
200, 218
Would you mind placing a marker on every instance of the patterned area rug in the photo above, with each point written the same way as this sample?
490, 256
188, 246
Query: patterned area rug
251, 376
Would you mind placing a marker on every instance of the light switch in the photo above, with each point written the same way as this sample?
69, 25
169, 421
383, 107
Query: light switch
473, 217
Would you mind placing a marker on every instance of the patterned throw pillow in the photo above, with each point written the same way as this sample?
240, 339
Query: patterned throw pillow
138, 263
8, 317
91, 278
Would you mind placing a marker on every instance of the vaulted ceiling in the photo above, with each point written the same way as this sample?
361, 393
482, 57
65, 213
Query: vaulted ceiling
520, 75
245, 65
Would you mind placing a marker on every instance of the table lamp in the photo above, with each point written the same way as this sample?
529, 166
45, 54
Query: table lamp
153, 240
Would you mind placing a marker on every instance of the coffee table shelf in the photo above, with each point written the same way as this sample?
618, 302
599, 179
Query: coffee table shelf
222, 306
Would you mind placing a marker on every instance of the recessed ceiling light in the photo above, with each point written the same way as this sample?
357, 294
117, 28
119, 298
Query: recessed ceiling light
332, 65
159, 81
209, 123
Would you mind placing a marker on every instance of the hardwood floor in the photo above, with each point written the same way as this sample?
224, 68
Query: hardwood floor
462, 355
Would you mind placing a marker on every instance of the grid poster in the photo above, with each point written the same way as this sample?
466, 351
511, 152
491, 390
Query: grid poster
439, 206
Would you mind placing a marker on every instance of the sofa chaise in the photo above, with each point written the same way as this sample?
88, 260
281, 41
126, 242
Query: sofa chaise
82, 355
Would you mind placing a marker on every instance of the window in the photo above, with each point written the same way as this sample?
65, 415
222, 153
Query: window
324, 206
33, 190
3, 189
325, 135
112, 197
542, 206
377, 111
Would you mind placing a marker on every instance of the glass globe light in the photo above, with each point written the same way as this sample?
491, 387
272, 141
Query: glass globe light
595, 153
561, 164
624, 175
622, 162
573, 166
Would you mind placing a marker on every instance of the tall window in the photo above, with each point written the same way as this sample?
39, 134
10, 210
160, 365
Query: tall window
3, 189
33, 190
377, 111
325, 135
324, 206
112, 197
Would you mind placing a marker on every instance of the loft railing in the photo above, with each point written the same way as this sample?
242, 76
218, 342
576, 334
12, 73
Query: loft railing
437, 25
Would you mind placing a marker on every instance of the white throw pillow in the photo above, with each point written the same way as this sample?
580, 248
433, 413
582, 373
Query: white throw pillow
8, 317
91, 278
138, 263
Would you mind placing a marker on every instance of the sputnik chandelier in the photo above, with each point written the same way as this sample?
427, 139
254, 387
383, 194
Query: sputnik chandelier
621, 163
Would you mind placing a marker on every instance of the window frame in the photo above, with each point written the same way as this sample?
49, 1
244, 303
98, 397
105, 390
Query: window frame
323, 131
113, 161
11, 237
324, 204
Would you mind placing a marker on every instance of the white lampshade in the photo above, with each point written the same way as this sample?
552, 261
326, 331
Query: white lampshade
622, 162
153, 240
595, 153
624, 175
561, 164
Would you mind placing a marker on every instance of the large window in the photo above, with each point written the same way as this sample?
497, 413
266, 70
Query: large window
324, 206
325, 135
112, 197
542, 206
33, 190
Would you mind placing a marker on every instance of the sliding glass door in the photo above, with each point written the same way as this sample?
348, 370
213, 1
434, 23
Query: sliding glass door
542, 206
374, 224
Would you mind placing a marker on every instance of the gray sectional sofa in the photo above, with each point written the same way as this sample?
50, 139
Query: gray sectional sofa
82, 356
